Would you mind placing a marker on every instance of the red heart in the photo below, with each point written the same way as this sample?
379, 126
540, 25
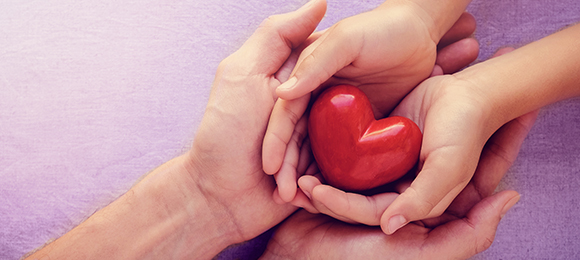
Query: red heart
354, 151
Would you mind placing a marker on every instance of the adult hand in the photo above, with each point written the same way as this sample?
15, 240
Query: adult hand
226, 153
385, 67
216, 195
466, 228
308, 236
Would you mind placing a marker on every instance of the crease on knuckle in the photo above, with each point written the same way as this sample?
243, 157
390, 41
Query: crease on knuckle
423, 206
292, 116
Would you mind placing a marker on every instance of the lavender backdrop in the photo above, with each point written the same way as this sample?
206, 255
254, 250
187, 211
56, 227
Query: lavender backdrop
94, 94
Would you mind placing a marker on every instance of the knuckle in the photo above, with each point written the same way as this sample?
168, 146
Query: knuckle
484, 245
423, 206
292, 116
271, 22
282, 140
298, 138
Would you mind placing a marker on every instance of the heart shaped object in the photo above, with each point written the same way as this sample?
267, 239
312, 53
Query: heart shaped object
354, 151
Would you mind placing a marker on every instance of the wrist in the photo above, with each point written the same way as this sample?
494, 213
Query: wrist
196, 226
162, 216
437, 15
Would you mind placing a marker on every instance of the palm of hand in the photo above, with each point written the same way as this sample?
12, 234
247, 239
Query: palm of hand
454, 125
308, 236
227, 148
466, 228
229, 142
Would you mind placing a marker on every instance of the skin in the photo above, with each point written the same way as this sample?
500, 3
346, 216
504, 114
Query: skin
372, 58
364, 41
457, 113
356, 208
455, 51
218, 188
466, 228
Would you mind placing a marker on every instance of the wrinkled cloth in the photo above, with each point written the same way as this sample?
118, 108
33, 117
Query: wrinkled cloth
94, 94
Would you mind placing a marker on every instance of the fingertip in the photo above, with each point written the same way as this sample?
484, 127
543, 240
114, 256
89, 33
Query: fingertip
437, 71
469, 22
509, 204
286, 186
463, 28
302, 201
273, 151
503, 51
307, 184
457, 55
276, 197
285, 89
490, 210
393, 224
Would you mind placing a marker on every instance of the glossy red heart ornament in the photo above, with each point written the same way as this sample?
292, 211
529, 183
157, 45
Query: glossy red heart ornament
354, 151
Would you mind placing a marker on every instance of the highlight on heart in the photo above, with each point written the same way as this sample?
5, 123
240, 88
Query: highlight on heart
354, 151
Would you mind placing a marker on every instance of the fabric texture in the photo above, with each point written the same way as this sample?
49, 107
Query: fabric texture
94, 94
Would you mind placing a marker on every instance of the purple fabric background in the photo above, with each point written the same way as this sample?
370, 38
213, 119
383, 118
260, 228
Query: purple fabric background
95, 94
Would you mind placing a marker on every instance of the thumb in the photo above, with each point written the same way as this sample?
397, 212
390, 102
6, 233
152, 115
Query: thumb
330, 53
273, 41
474, 233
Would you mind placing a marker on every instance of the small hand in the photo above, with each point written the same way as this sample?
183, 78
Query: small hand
437, 184
386, 81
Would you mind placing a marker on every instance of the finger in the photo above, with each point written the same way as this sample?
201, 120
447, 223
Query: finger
457, 55
302, 201
503, 51
474, 233
287, 176
281, 32
437, 71
355, 207
501, 151
440, 180
463, 28
283, 73
281, 126
319, 62
307, 184
306, 157
434, 188
497, 156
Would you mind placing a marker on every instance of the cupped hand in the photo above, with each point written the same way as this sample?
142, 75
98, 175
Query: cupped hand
456, 147
227, 147
315, 236
385, 69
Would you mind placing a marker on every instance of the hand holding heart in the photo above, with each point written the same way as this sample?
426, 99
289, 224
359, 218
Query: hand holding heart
460, 130
466, 228
286, 152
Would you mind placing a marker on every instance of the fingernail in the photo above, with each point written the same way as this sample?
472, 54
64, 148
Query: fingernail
288, 84
395, 223
509, 205
307, 194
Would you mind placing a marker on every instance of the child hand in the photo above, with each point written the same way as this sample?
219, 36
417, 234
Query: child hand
385, 81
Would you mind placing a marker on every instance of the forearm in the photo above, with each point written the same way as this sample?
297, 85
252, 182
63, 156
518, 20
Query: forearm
161, 217
538, 74
438, 15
